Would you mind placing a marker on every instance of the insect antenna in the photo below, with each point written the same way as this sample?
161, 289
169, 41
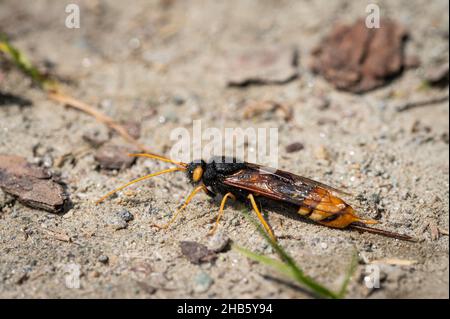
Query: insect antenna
173, 169
382, 232
160, 158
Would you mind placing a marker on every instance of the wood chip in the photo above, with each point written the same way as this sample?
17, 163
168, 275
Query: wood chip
32, 185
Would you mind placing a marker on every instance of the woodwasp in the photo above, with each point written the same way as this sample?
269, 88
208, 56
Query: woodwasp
244, 181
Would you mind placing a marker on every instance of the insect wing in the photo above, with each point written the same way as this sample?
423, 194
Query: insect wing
268, 185
281, 185
293, 178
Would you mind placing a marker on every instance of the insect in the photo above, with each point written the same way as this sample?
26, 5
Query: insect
247, 182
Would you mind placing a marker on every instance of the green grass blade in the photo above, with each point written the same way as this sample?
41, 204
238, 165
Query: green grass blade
297, 272
278, 265
22, 62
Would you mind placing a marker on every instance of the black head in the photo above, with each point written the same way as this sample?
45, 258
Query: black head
195, 171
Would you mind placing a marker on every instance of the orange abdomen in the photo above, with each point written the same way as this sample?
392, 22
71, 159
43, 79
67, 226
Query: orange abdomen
324, 208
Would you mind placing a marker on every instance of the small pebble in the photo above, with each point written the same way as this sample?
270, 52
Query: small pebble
368, 247
178, 100
125, 215
5, 199
202, 282
117, 223
294, 147
218, 242
86, 62
47, 161
236, 222
95, 138
134, 43
103, 259
321, 153
146, 287
106, 103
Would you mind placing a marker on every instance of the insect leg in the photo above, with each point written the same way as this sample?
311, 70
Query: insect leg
188, 200
260, 217
222, 206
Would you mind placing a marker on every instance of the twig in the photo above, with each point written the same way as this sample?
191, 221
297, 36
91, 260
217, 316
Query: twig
102, 118
394, 261
410, 105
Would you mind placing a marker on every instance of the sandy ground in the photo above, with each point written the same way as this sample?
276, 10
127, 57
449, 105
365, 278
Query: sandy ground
136, 62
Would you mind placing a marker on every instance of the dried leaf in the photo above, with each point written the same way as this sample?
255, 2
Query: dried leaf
357, 59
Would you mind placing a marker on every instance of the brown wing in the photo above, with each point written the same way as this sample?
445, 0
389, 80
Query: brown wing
289, 177
277, 184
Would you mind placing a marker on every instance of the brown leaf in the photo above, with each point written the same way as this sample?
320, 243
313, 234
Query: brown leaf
31, 184
196, 253
358, 59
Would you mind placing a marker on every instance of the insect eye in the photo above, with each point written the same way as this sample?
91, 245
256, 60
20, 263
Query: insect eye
197, 174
